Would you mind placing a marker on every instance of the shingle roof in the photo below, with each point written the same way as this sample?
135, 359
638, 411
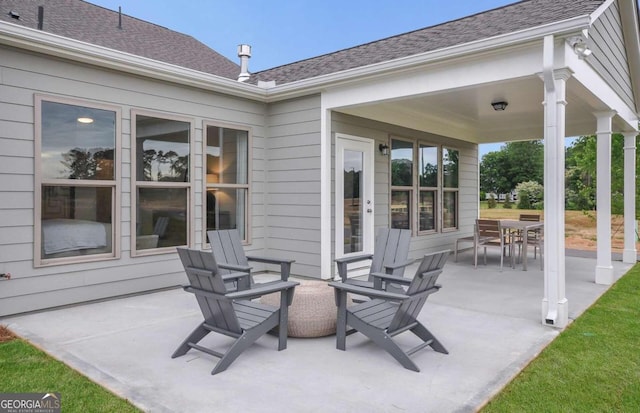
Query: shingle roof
511, 18
93, 24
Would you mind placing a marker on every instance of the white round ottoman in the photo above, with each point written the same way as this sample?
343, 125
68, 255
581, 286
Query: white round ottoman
313, 312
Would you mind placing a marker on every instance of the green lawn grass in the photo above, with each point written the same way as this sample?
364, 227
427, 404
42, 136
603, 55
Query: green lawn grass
592, 366
25, 369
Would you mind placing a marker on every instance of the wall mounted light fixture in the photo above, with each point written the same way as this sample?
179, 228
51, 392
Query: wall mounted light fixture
579, 46
384, 149
498, 106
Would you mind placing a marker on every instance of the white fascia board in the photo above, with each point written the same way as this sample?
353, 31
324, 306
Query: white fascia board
63, 47
603, 7
631, 30
317, 84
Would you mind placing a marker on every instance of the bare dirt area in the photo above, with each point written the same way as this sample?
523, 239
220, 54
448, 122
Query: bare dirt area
579, 229
6, 334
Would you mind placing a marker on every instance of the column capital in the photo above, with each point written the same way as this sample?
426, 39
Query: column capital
563, 74
605, 114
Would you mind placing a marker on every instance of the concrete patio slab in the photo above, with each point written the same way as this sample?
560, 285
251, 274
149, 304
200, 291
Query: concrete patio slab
488, 320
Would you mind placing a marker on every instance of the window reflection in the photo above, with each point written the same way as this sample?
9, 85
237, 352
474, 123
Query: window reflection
71, 149
161, 219
162, 149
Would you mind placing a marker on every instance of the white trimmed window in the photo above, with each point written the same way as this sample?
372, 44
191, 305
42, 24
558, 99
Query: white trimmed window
226, 169
161, 182
77, 152
424, 187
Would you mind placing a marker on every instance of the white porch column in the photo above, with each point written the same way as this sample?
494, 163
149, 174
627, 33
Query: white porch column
554, 303
604, 269
630, 254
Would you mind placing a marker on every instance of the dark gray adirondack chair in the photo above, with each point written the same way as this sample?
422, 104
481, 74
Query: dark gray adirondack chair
389, 256
231, 313
226, 247
388, 314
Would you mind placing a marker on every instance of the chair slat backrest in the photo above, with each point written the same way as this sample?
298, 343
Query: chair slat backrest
204, 277
530, 217
391, 246
227, 247
426, 276
489, 228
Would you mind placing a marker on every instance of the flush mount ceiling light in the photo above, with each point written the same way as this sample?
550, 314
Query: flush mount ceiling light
498, 106
579, 46
85, 120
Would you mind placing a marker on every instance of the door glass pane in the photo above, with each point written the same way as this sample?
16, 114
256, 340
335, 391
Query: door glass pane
400, 209
161, 217
353, 205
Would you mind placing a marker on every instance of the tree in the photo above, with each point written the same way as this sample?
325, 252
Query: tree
581, 174
530, 195
516, 162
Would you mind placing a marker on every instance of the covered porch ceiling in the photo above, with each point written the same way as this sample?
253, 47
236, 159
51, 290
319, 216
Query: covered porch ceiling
466, 113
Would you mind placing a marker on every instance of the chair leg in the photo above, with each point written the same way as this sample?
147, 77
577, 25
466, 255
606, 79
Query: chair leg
455, 254
283, 321
242, 343
341, 322
422, 332
385, 341
196, 335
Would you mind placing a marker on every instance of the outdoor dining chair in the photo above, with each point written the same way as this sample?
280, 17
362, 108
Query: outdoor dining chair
389, 314
232, 314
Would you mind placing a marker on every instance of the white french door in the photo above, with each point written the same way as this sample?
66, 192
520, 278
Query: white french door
354, 175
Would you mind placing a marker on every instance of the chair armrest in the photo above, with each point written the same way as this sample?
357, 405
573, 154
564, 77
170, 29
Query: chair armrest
369, 292
397, 265
269, 260
285, 265
342, 263
234, 267
349, 260
234, 276
262, 289
390, 278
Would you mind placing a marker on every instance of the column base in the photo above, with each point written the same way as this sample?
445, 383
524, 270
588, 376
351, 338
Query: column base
629, 256
604, 275
560, 319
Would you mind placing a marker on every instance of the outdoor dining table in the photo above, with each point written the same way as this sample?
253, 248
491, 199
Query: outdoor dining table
523, 227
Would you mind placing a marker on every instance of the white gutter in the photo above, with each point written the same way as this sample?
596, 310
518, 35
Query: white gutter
48, 43
316, 84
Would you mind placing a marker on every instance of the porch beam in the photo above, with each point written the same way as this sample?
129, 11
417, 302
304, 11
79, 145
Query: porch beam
630, 253
604, 267
554, 303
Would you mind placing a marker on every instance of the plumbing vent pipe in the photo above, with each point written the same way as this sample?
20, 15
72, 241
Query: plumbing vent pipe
244, 53
40, 17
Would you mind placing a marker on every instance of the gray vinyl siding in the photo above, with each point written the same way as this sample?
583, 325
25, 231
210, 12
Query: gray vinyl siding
609, 57
22, 75
468, 179
292, 203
